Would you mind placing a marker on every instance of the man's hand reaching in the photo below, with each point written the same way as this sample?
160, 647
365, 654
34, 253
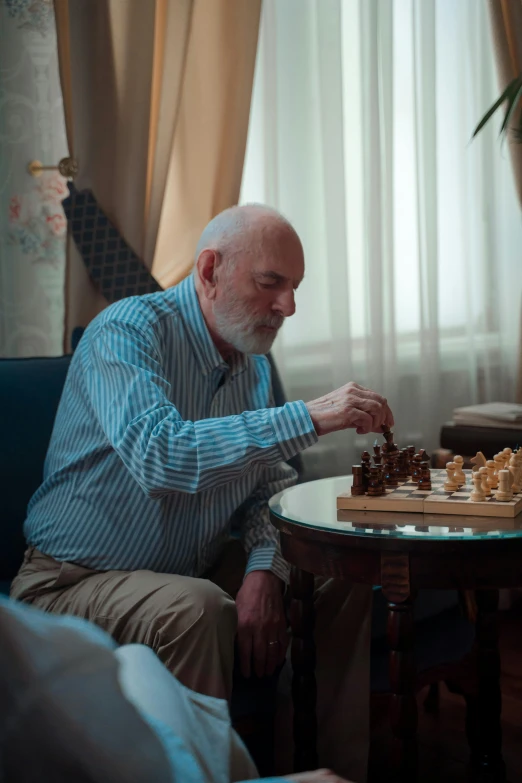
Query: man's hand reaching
350, 406
261, 632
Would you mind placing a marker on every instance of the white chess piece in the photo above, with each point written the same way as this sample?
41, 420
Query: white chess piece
451, 484
486, 489
479, 461
516, 472
477, 495
498, 459
504, 492
515, 460
460, 476
507, 452
492, 475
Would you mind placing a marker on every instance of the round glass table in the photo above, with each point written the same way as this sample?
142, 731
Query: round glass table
402, 552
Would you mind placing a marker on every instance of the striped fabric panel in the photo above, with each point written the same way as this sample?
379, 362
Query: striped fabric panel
158, 442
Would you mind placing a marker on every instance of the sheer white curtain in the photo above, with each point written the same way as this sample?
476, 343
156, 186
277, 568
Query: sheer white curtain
360, 129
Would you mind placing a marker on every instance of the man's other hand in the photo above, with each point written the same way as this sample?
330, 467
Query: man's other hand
261, 631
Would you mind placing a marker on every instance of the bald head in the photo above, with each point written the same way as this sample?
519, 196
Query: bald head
244, 230
249, 261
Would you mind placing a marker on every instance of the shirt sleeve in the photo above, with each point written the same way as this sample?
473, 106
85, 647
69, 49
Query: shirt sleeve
164, 453
259, 537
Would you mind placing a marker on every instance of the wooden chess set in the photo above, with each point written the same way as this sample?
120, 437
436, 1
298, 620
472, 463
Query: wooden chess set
402, 480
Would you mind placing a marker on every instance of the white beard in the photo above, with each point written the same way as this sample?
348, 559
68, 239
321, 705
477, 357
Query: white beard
236, 325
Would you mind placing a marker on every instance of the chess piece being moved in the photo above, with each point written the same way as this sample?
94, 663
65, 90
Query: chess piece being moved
477, 495
486, 489
390, 445
504, 492
451, 484
460, 476
492, 475
358, 484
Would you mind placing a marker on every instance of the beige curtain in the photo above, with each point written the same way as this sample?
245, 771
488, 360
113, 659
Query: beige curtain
506, 24
157, 101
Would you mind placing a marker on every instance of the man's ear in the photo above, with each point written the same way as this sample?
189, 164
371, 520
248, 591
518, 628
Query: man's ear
206, 266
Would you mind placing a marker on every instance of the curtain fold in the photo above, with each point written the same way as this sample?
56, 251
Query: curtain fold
506, 26
157, 99
362, 114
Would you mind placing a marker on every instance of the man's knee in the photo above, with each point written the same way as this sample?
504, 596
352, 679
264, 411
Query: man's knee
206, 606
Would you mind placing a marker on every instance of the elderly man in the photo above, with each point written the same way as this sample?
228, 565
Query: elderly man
165, 430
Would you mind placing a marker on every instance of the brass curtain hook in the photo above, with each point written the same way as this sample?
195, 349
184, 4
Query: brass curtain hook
68, 168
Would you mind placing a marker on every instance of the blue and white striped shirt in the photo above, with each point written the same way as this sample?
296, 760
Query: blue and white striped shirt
158, 442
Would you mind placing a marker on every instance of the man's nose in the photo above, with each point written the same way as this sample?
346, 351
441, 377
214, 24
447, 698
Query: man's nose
285, 303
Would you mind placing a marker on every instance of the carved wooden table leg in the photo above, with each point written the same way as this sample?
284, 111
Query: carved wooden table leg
403, 707
395, 580
304, 690
488, 764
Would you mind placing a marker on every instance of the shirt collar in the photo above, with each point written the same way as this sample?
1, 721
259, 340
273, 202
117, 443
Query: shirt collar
203, 345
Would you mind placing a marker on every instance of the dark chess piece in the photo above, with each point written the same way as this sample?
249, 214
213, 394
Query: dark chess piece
374, 485
381, 479
358, 484
425, 479
366, 462
416, 468
390, 477
425, 457
405, 463
377, 456
390, 445
399, 471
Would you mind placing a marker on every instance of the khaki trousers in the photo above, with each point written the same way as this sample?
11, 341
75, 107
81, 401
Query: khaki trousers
191, 625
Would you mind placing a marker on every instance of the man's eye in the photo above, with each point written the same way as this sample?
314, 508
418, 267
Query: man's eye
267, 285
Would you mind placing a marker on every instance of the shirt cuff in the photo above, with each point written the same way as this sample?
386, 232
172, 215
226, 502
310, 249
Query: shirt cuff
293, 428
268, 558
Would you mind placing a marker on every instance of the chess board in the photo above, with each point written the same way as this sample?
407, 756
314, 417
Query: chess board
407, 497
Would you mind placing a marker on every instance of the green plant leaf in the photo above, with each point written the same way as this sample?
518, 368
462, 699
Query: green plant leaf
512, 106
512, 86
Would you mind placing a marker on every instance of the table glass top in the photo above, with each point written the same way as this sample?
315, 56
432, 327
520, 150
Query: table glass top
314, 504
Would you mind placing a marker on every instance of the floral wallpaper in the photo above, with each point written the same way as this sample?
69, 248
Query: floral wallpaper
32, 14
32, 222
37, 222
